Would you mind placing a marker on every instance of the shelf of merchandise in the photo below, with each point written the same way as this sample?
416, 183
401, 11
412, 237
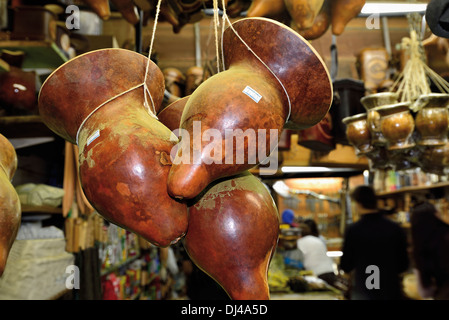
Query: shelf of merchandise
38, 54
412, 189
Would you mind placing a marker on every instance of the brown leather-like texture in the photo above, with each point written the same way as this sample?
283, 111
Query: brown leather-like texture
220, 102
233, 232
124, 152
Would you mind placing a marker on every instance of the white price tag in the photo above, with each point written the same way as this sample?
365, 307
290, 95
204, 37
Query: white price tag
94, 136
253, 94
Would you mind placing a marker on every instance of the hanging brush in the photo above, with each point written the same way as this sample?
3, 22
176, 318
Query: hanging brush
416, 77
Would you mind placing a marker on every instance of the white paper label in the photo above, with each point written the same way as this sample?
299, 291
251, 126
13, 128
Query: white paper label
94, 136
253, 94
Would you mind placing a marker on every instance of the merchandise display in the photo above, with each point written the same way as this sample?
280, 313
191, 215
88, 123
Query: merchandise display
210, 149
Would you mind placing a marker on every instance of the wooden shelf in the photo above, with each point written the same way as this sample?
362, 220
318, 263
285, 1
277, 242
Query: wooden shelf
412, 189
24, 127
38, 54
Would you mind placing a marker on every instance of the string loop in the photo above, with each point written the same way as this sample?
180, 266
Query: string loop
146, 90
226, 19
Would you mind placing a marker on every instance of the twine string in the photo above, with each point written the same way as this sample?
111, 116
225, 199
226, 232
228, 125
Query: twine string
226, 20
413, 80
146, 90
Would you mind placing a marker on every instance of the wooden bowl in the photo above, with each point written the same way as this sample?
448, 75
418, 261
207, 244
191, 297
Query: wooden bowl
397, 125
432, 119
357, 133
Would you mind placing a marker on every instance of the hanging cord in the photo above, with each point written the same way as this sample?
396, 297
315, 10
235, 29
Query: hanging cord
216, 24
144, 84
226, 19
146, 90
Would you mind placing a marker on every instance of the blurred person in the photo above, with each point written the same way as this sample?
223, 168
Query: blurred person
315, 255
374, 251
430, 236
314, 228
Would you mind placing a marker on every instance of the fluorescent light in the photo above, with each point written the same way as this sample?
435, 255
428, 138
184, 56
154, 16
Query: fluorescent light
392, 8
296, 169
334, 254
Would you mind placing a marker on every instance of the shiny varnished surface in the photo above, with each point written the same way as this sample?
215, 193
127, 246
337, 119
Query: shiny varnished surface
357, 132
124, 152
233, 232
170, 116
370, 103
18, 91
397, 125
10, 210
432, 119
76, 88
296, 64
221, 104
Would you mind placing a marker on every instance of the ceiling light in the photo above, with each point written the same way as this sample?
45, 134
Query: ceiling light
392, 8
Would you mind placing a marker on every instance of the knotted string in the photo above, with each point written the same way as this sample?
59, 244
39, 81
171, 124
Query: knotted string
413, 82
226, 20
146, 91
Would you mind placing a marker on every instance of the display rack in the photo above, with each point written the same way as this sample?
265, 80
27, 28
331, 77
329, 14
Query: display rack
38, 54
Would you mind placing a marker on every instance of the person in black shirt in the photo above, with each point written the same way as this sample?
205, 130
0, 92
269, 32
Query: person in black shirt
374, 250
430, 234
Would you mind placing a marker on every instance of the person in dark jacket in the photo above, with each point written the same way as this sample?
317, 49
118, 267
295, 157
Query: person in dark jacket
430, 234
374, 251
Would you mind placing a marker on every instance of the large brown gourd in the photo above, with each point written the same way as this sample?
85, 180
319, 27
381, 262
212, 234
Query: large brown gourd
344, 11
231, 242
248, 100
123, 150
170, 116
10, 209
233, 232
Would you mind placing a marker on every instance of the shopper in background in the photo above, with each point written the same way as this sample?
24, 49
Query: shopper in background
288, 217
314, 229
315, 256
374, 251
430, 234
